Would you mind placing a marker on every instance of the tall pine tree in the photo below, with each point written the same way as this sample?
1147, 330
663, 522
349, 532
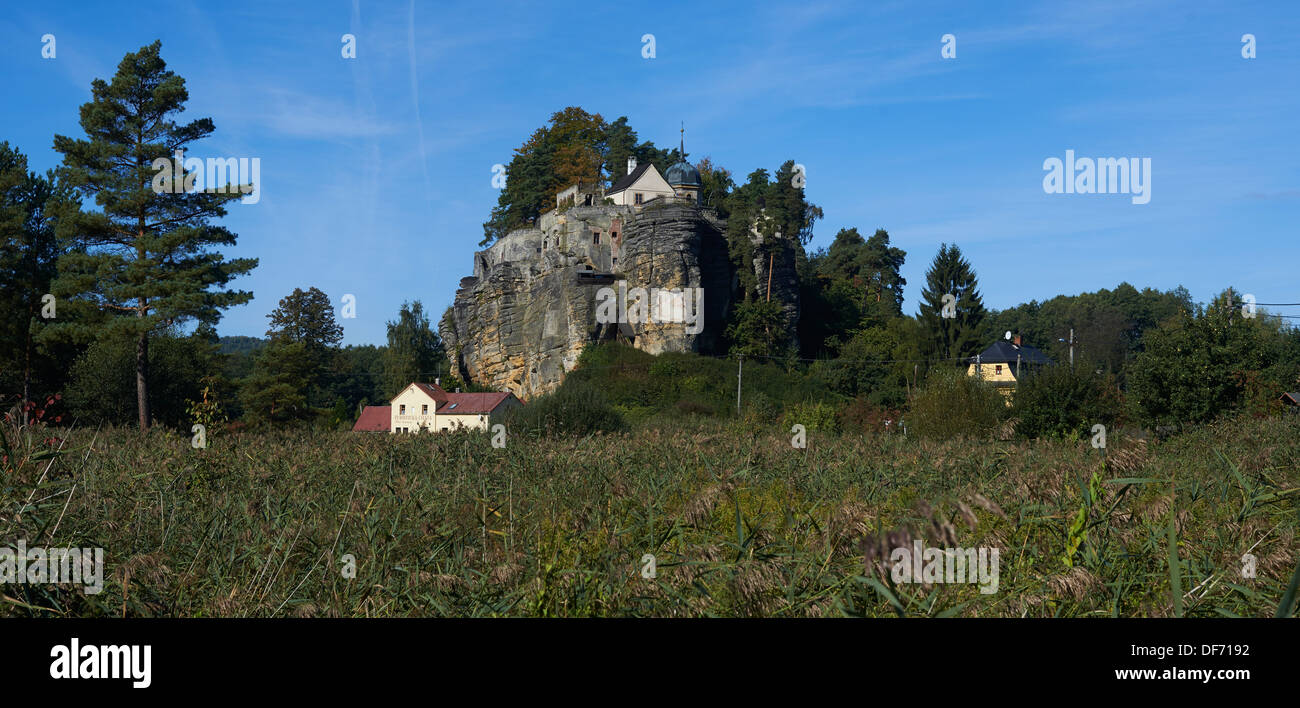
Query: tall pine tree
962, 335
143, 262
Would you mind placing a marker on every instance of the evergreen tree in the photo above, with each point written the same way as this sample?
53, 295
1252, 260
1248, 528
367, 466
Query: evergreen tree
142, 263
715, 185
963, 335
414, 352
620, 144
29, 254
291, 373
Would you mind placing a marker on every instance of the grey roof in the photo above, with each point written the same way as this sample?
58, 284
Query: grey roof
1295, 397
682, 174
1004, 352
627, 179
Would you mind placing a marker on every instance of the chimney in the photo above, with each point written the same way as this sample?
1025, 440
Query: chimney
1016, 341
457, 390
437, 381
631, 164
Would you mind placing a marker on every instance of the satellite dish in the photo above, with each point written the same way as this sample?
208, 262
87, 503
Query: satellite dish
1007, 335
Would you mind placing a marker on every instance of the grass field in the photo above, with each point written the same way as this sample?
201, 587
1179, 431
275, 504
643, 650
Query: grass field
740, 522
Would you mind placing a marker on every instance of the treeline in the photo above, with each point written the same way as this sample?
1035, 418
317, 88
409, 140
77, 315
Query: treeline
105, 265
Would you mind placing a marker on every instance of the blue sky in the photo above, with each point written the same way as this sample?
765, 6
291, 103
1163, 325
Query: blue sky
376, 171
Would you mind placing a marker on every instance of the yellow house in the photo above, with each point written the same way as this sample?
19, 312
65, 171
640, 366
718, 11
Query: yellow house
424, 406
1004, 362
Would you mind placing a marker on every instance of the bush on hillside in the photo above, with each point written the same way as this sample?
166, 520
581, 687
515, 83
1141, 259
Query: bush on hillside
1057, 401
952, 404
575, 408
812, 416
861, 415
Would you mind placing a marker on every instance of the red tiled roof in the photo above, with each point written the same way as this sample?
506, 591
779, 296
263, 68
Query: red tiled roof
470, 403
374, 419
435, 392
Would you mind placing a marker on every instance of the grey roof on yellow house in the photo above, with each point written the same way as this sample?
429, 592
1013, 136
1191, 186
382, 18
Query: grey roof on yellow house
1004, 352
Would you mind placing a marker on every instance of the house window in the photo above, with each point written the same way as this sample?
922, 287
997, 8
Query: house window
595, 237
637, 198
615, 260
401, 410
424, 409
998, 370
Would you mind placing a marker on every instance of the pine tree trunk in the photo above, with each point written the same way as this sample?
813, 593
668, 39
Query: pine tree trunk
142, 379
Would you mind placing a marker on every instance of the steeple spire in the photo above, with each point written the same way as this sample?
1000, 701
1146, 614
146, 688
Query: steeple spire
683, 147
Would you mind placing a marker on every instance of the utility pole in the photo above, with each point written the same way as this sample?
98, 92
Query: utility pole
1071, 349
740, 363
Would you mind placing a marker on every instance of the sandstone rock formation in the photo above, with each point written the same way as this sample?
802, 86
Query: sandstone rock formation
521, 321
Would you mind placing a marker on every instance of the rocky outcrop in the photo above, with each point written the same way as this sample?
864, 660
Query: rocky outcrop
520, 323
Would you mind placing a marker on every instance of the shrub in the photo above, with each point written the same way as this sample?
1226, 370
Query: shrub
1056, 401
811, 415
575, 408
861, 415
952, 404
761, 408
694, 407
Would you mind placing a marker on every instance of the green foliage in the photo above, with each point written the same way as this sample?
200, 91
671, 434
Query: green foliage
144, 262
675, 382
415, 351
813, 415
207, 411
875, 362
1199, 365
966, 334
574, 409
290, 379
951, 404
758, 329
861, 415
277, 390
1057, 401
1077, 533
1108, 325
29, 253
573, 146
102, 384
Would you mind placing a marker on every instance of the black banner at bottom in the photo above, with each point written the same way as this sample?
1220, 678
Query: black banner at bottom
234, 656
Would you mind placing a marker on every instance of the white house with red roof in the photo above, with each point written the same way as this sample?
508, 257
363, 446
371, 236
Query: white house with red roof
425, 406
